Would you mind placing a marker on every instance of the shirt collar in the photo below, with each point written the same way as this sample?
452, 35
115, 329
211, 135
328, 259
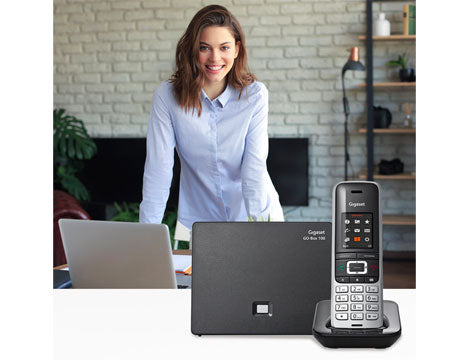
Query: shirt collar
222, 98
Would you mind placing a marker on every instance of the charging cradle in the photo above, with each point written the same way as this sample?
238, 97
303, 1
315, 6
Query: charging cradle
382, 337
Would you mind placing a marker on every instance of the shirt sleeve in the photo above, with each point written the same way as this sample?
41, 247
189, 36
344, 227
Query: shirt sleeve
159, 162
254, 166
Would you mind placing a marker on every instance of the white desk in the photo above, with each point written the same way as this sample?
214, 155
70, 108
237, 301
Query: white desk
155, 324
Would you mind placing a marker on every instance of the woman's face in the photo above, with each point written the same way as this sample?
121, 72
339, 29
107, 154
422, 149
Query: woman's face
217, 51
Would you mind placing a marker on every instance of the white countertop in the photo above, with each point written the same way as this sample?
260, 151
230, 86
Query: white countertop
150, 324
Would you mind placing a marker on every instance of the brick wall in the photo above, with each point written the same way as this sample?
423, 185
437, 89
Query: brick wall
109, 56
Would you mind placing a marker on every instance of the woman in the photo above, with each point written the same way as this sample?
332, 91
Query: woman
215, 113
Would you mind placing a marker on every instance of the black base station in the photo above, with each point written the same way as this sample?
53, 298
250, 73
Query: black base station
382, 337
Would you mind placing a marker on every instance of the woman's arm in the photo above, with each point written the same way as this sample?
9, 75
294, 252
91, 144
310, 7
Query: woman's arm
254, 166
159, 162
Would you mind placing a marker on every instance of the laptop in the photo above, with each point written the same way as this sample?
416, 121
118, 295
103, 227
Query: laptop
118, 255
259, 277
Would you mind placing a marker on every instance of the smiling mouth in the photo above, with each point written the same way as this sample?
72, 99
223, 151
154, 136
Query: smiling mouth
214, 67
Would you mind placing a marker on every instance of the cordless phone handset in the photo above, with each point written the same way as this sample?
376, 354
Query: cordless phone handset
357, 256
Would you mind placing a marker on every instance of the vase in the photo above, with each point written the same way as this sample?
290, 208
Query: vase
407, 75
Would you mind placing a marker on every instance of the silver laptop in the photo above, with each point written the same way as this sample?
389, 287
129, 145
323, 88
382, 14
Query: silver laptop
118, 255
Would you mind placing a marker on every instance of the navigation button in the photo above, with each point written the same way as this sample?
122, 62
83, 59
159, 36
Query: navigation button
356, 267
357, 279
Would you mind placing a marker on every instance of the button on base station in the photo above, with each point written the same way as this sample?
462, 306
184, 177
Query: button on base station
262, 308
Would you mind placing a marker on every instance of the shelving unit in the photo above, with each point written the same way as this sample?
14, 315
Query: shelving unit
389, 38
403, 220
390, 84
401, 176
370, 173
390, 131
370, 86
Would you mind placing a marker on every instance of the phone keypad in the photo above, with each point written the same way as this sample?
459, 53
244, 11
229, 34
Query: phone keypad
363, 302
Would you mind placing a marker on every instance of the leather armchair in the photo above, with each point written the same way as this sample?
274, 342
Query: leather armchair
65, 206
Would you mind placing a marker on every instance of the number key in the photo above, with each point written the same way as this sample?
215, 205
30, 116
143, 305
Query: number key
356, 316
341, 298
356, 307
372, 307
356, 298
341, 289
341, 307
372, 298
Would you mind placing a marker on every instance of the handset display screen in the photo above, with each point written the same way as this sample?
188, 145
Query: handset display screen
357, 231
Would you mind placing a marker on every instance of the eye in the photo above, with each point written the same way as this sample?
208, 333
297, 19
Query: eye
203, 48
224, 48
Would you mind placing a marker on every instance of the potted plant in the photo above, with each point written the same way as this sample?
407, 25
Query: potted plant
72, 145
406, 74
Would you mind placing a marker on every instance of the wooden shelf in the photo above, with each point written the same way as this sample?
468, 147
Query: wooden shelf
391, 84
406, 220
402, 176
390, 37
390, 131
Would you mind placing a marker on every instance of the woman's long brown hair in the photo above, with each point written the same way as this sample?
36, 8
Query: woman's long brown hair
188, 78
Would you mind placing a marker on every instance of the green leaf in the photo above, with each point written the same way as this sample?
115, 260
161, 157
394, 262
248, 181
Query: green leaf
401, 61
126, 213
71, 148
71, 138
75, 187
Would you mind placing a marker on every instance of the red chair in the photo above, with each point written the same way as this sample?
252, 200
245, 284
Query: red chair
65, 207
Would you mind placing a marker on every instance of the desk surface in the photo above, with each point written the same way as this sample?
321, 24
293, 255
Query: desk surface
150, 324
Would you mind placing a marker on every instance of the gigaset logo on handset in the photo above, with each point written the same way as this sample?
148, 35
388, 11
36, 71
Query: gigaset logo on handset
315, 235
354, 204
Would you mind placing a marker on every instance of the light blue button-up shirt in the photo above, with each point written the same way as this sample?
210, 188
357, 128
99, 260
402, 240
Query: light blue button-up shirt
223, 157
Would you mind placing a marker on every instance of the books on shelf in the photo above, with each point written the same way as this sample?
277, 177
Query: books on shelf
409, 19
